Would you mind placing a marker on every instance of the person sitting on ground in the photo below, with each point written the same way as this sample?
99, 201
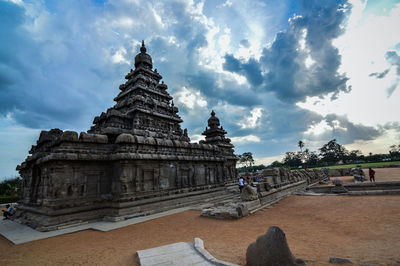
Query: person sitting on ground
371, 175
9, 212
241, 184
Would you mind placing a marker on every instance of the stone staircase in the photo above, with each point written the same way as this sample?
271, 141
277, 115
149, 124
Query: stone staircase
227, 194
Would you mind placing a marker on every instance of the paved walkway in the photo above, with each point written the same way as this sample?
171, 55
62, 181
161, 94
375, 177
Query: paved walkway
18, 233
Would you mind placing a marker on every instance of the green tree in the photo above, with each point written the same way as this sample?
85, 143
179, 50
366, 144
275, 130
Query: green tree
246, 158
354, 155
394, 151
9, 186
332, 152
312, 159
292, 159
276, 164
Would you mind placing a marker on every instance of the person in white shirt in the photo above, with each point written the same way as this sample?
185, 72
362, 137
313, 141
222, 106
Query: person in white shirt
241, 183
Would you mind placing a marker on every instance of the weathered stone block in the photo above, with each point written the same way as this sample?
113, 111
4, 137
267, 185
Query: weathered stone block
70, 136
125, 138
248, 193
93, 138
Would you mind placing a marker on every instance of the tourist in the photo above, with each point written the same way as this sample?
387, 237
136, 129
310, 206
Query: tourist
9, 212
241, 184
371, 175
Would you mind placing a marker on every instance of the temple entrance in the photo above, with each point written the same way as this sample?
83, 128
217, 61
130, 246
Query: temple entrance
35, 182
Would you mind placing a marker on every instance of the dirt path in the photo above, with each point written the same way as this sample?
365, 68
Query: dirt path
363, 229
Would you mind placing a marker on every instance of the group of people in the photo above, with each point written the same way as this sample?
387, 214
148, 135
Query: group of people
248, 180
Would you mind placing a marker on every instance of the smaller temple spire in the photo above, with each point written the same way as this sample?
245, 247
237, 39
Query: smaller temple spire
143, 48
143, 59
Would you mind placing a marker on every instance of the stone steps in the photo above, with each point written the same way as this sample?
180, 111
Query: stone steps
198, 202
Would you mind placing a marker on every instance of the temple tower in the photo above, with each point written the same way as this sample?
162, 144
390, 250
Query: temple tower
143, 107
135, 160
215, 134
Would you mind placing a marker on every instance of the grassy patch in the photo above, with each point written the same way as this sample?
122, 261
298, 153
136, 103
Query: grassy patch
8, 199
377, 164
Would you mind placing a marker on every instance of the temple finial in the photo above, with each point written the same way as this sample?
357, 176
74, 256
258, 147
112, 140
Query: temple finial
143, 48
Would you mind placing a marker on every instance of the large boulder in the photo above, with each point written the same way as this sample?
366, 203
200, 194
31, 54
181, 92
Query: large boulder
271, 249
249, 193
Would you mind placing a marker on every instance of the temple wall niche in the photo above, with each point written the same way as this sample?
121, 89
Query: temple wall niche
77, 179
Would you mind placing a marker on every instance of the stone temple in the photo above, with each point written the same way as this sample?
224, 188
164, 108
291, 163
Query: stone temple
133, 161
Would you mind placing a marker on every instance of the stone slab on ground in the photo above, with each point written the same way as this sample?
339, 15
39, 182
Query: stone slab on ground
179, 254
18, 233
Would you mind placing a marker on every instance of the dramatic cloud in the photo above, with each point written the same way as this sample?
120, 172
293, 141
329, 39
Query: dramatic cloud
301, 61
251, 69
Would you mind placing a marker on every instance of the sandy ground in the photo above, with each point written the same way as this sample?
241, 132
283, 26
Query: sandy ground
364, 229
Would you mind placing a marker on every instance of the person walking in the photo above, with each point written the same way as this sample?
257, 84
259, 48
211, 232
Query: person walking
241, 184
371, 175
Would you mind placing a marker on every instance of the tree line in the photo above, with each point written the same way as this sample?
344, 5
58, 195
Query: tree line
9, 186
330, 153
333, 153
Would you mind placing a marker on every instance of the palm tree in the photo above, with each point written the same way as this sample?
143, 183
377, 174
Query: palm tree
301, 145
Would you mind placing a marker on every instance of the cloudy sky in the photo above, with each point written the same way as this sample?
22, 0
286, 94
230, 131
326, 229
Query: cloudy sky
274, 71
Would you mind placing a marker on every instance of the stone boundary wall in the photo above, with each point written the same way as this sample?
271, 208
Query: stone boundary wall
367, 188
277, 184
